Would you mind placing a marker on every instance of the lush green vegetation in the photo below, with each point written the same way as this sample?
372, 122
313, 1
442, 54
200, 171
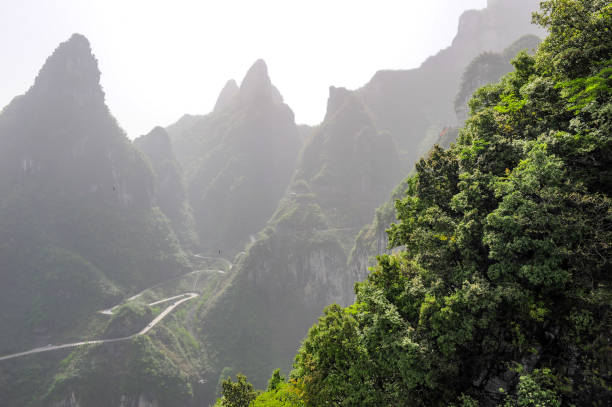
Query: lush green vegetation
501, 292
489, 67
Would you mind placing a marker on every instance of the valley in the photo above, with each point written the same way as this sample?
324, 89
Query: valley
440, 238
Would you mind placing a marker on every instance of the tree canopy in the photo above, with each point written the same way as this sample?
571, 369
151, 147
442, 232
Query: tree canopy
500, 293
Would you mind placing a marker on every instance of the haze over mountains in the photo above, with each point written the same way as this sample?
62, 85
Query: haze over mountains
281, 217
79, 227
239, 159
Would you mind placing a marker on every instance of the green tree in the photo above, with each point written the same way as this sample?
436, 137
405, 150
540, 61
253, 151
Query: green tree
237, 394
275, 380
502, 277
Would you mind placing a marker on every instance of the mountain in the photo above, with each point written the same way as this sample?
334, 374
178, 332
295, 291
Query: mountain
409, 104
296, 264
297, 196
310, 254
170, 190
499, 293
239, 160
487, 68
78, 225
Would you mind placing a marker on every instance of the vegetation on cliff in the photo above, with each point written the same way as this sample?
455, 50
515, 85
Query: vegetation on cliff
501, 291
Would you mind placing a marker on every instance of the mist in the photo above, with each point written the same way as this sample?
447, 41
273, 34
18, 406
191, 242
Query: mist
268, 204
161, 60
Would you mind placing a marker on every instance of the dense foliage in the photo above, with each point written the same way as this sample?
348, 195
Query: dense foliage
486, 68
501, 293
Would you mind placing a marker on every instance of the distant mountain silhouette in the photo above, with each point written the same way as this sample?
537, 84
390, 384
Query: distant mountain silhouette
409, 104
239, 159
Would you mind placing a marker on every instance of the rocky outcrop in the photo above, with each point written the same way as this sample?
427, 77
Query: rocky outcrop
170, 192
227, 95
349, 165
60, 137
78, 223
125, 401
240, 160
410, 103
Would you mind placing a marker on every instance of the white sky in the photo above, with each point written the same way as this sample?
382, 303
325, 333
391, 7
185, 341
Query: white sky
160, 59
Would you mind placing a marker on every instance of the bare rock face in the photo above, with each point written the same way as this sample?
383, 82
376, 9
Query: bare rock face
71, 72
140, 401
71, 401
125, 401
229, 91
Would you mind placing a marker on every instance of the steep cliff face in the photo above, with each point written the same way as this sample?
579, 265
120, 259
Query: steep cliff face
297, 263
410, 103
62, 130
371, 241
240, 160
348, 164
78, 224
125, 401
280, 285
170, 192
486, 68
227, 95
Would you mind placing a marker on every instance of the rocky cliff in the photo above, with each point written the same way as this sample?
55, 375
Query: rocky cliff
170, 189
409, 104
240, 160
78, 222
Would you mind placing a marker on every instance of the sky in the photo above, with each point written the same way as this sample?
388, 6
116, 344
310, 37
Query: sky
161, 59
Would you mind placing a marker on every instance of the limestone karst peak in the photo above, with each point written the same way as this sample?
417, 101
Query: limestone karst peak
229, 91
257, 84
257, 74
71, 70
342, 99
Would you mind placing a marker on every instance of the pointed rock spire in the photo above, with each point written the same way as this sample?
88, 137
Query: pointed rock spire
229, 91
256, 76
257, 84
337, 97
72, 72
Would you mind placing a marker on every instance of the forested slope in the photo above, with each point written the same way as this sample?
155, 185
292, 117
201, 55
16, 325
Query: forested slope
500, 292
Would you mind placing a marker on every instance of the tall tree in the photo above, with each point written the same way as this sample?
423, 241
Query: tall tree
501, 291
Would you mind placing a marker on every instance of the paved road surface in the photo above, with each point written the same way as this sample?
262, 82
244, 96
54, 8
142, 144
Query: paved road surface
151, 325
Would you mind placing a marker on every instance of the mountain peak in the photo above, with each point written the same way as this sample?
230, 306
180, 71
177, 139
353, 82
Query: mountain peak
257, 72
257, 84
342, 99
156, 144
229, 91
71, 71
79, 40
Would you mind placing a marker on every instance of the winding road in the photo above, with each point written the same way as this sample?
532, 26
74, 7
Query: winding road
151, 325
229, 263
181, 299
